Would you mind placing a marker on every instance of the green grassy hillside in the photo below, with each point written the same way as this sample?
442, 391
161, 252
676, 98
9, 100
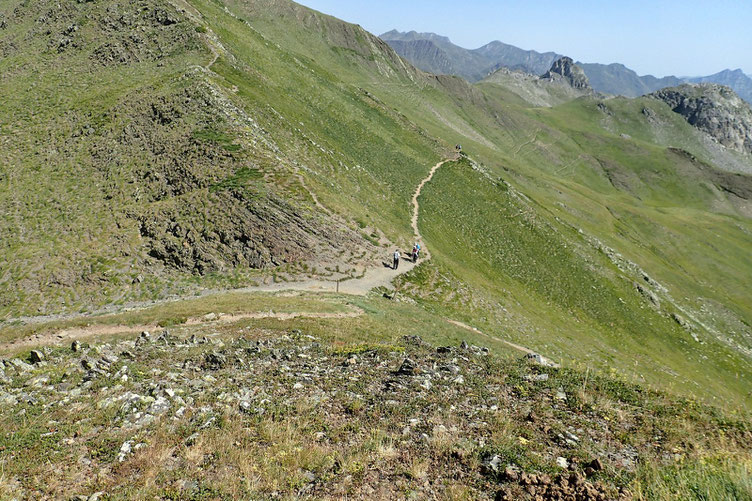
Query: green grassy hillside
196, 162
600, 182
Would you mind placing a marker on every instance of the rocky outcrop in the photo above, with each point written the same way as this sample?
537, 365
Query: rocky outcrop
736, 79
565, 69
714, 109
537, 90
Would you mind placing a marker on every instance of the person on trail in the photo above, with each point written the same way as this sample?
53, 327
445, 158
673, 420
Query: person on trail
415, 253
396, 259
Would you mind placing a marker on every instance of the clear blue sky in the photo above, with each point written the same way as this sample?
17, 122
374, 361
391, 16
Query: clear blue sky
658, 37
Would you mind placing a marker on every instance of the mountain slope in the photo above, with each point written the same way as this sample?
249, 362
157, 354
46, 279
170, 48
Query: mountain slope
324, 135
532, 149
173, 180
714, 109
619, 80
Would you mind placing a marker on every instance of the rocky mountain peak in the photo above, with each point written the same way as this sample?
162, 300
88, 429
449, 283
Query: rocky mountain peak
715, 109
564, 68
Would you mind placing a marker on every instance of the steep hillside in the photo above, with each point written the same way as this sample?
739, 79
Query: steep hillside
129, 168
306, 148
158, 176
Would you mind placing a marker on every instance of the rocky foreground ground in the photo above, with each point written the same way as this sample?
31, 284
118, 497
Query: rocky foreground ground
281, 414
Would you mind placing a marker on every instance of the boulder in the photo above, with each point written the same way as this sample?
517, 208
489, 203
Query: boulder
408, 368
36, 357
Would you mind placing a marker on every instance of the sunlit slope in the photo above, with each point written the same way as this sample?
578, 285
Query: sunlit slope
265, 108
134, 171
501, 264
602, 167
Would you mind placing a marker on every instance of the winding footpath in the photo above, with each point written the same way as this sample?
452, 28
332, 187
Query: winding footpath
380, 276
373, 277
416, 205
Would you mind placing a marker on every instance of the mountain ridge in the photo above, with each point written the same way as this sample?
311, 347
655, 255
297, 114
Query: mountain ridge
613, 78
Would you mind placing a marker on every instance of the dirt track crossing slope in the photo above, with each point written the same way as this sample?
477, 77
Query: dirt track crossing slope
416, 205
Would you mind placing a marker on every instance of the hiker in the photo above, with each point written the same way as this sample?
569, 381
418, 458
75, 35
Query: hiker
416, 249
396, 259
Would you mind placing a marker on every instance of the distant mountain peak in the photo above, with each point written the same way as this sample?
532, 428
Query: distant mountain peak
566, 69
736, 79
411, 36
477, 64
473, 64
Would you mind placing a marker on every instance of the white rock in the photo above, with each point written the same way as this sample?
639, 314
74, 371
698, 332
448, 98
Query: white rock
125, 449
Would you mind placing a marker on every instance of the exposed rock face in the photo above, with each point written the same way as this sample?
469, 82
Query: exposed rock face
714, 109
565, 69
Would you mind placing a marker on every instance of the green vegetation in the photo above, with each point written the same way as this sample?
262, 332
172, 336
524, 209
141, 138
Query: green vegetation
305, 405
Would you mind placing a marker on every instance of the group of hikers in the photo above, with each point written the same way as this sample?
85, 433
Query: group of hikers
414, 254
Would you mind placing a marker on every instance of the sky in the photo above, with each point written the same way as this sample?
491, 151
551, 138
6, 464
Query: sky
658, 37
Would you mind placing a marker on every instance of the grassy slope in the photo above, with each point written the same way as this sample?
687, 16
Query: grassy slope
355, 153
91, 163
57, 213
364, 129
629, 192
376, 141
552, 291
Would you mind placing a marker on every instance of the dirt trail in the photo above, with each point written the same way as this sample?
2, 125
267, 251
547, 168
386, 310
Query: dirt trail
416, 205
68, 335
530, 141
379, 276
508, 343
